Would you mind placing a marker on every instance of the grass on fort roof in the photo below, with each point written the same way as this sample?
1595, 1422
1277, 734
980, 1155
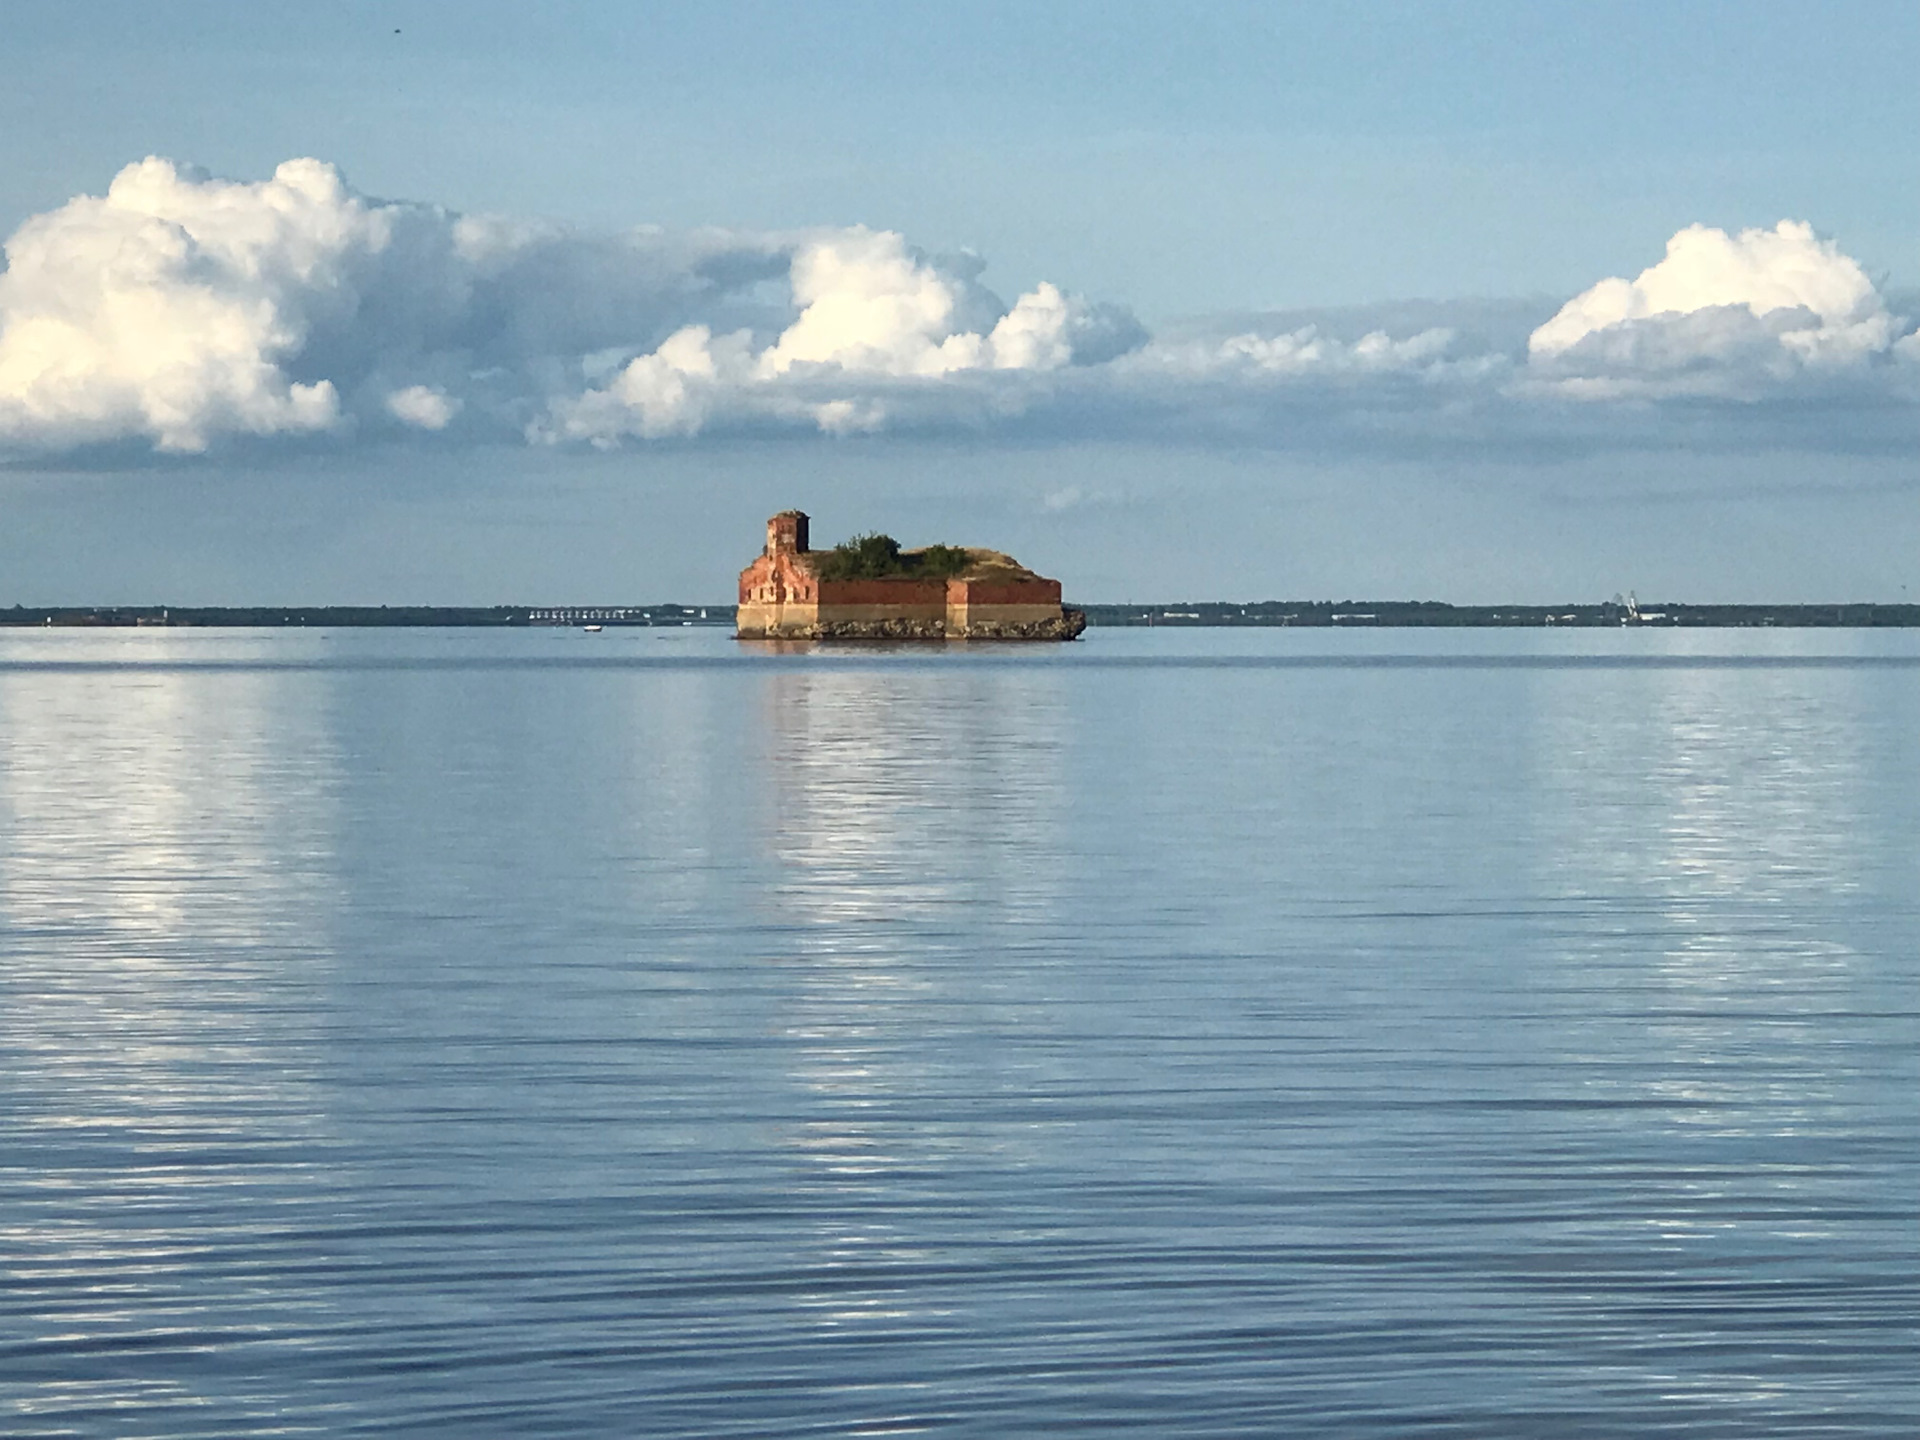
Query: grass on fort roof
879, 557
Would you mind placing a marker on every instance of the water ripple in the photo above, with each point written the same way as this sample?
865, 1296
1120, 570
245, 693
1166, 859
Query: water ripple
1173, 1043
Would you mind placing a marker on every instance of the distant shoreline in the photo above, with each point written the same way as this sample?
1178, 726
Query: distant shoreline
1350, 614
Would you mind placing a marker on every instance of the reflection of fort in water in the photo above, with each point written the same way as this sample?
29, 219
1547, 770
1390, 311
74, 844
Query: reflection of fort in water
901, 803
902, 792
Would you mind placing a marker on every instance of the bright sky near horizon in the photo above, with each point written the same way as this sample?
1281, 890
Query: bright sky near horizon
487, 301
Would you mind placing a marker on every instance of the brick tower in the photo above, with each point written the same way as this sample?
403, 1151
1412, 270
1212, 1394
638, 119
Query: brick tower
787, 533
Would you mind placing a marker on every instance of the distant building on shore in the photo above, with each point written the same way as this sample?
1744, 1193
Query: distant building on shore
870, 589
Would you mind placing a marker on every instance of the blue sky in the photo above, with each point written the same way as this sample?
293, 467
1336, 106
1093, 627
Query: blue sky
1161, 238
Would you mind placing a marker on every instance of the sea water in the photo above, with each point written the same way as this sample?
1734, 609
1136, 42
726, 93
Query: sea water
1177, 1033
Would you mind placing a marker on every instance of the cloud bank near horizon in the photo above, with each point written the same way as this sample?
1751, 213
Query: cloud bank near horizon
179, 312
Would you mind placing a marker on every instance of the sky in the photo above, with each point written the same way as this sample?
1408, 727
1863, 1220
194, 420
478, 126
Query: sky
422, 302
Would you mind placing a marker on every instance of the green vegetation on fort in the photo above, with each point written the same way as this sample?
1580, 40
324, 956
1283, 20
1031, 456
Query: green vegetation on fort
879, 557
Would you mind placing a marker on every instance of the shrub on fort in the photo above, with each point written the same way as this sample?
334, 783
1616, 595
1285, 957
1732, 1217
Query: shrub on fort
942, 561
864, 557
878, 557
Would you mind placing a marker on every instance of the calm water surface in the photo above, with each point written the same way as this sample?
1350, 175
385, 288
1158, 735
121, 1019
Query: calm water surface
1500, 1034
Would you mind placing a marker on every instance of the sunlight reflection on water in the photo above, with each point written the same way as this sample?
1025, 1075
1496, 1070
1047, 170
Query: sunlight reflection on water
1174, 1033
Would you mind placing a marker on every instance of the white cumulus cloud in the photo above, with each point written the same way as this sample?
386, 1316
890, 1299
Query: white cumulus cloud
423, 406
168, 306
670, 391
874, 316
1307, 351
868, 304
179, 311
1718, 314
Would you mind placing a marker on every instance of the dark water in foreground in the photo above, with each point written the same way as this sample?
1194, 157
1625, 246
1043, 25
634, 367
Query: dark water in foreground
1175, 1034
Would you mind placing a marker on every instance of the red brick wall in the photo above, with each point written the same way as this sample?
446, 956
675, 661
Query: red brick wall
883, 592
796, 579
1004, 592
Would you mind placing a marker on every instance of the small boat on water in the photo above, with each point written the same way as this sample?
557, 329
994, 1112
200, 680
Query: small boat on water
593, 629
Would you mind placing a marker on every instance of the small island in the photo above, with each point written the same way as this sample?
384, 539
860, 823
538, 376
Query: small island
868, 588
